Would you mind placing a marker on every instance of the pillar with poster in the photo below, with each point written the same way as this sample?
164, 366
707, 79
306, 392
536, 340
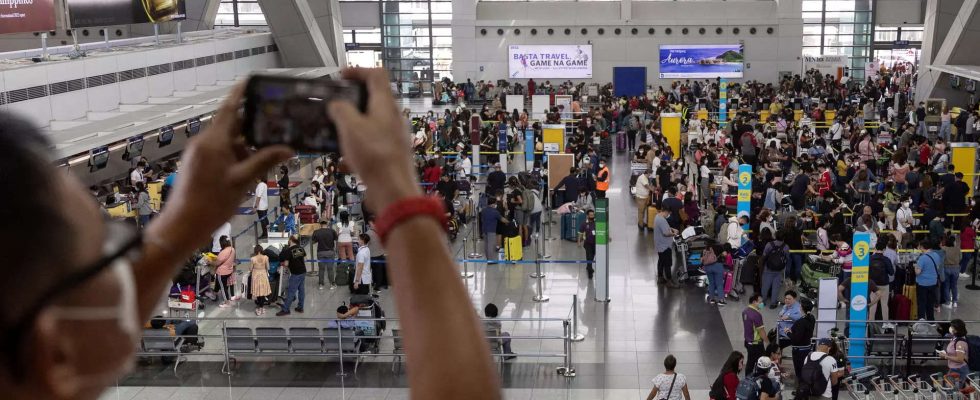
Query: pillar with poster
858, 327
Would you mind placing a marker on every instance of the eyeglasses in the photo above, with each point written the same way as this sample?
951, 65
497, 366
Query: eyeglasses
122, 241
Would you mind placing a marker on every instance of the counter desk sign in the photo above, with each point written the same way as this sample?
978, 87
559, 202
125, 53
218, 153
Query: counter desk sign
602, 250
860, 261
193, 126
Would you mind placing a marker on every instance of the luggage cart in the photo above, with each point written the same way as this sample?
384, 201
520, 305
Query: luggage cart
905, 389
884, 389
947, 389
858, 383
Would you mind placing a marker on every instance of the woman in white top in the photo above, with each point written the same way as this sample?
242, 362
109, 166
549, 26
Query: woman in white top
669, 385
318, 175
346, 231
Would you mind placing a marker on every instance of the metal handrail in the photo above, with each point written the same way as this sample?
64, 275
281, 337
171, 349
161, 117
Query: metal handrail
566, 338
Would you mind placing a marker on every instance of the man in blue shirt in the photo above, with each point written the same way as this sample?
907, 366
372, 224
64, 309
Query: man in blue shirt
927, 278
791, 312
489, 217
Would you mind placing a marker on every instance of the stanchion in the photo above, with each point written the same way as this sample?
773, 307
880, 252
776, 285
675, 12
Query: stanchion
540, 297
567, 370
224, 337
340, 350
575, 337
476, 238
466, 274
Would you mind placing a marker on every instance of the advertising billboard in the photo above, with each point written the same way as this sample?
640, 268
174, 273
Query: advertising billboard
26, 16
550, 61
97, 13
831, 64
702, 61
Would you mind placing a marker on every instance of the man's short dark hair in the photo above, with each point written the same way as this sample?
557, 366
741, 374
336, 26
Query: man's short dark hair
491, 311
670, 362
792, 293
342, 309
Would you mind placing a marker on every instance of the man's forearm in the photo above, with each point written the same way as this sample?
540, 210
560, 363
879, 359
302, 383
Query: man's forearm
424, 274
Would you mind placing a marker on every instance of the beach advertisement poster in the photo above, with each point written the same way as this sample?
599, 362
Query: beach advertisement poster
700, 61
550, 61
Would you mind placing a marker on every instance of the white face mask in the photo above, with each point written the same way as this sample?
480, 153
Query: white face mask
125, 315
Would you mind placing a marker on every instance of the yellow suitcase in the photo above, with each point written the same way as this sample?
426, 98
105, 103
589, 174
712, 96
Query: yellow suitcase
513, 248
651, 216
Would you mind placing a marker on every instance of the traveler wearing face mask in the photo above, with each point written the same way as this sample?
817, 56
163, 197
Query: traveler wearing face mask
957, 352
602, 180
70, 330
904, 221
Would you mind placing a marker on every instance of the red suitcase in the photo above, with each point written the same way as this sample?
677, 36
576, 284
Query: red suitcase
900, 308
307, 214
620, 142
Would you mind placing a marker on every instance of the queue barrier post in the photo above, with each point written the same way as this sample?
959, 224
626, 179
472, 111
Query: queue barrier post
575, 337
540, 297
466, 274
340, 351
537, 274
567, 370
224, 337
255, 231
473, 232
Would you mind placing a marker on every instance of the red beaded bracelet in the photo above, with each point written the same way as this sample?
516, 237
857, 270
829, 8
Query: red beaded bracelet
405, 209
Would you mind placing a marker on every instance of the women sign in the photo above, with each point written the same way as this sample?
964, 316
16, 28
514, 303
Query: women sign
550, 61
701, 61
26, 16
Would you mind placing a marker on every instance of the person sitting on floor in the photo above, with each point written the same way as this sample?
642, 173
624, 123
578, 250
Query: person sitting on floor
491, 312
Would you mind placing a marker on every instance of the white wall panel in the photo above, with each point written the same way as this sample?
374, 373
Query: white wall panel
133, 91
106, 97
357, 14
71, 105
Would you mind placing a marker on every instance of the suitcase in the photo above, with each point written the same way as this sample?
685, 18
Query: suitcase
569, 225
651, 216
513, 249
909, 292
729, 282
307, 214
750, 270
620, 143
344, 276
900, 308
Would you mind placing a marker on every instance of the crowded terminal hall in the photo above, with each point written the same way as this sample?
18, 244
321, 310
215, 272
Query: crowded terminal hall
710, 200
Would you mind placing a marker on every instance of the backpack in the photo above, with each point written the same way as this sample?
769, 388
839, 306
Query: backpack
776, 259
723, 233
529, 200
973, 352
708, 256
297, 252
812, 381
749, 388
877, 270
718, 391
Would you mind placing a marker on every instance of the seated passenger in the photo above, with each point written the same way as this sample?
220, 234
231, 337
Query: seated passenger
285, 222
178, 329
491, 311
345, 317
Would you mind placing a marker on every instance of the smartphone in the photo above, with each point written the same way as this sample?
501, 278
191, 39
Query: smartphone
293, 111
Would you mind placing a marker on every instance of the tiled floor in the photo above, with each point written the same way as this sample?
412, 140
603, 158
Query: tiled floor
626, 338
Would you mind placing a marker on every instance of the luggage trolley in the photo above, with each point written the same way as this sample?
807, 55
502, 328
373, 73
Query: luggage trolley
904, 389
858, 382
946, 388
884, 389
690, 244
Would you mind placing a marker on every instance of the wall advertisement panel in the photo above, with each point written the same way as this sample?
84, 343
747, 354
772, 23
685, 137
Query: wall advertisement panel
26, 16
827, 64
700, 61
549, 61
96, 13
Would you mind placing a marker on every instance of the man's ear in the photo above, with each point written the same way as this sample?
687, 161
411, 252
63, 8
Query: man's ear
52, 357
